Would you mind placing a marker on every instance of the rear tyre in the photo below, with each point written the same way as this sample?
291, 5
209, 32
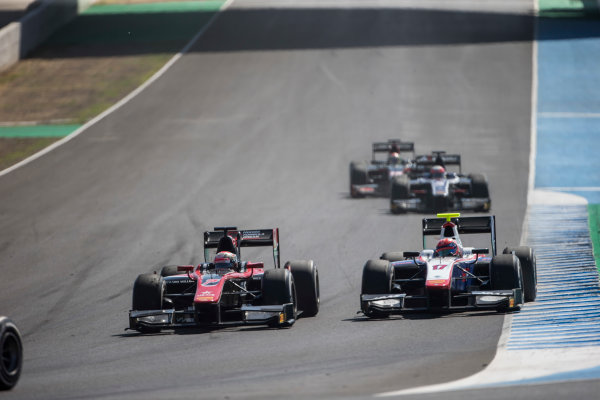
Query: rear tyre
306, 280
527, 259
505, 273
400, 191
148, 294
11, 351
377, 279
169, 270
392, 256
358, 176
278, 288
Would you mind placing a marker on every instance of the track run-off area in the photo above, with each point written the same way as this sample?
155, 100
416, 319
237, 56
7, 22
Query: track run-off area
254, 125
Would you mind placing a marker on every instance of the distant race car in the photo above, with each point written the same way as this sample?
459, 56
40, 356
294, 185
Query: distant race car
449, 277
373, 178
11, 350
226, 291
427, 186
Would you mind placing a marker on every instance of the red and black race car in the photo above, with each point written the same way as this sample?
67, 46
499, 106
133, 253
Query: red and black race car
208, 295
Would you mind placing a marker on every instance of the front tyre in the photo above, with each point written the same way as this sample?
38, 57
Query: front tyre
527, 259
358, 176
306, 279
148, 294
11, 351
505, 273
278, 288
377, 279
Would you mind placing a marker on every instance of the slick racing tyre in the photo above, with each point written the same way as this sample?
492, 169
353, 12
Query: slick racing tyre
400, 191
377, 279
306, 279
358, 176
479, 189
148, 294
505, 273
526, 256
11, 351
393, 256
278, 288
169, 270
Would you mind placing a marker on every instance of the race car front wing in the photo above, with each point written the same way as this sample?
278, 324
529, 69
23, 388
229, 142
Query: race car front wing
489, 299
419, 204
251, 315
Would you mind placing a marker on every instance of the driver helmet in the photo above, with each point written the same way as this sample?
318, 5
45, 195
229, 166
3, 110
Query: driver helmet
438, 172
394, 158
225, 262
448, 247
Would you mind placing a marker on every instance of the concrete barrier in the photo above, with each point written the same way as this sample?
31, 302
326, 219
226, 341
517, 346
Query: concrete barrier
17, 39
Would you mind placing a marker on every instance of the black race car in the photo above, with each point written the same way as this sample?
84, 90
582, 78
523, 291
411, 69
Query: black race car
373, 178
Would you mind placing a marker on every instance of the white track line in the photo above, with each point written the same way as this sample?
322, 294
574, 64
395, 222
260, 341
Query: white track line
124, 100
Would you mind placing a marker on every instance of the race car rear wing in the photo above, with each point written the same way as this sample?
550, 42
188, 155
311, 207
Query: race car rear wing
439, 158
243, 238
393, 145
464, 225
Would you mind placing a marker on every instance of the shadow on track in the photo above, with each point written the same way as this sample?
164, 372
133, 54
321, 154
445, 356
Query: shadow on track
423, 316
96, 35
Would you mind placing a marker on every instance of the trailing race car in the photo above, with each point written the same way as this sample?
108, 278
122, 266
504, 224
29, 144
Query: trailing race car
373, 178
11, 349
450, 276
226, 291
427, 186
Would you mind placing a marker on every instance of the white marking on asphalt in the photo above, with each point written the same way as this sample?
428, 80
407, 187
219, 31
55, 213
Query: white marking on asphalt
124, 100
575, 189
568, 115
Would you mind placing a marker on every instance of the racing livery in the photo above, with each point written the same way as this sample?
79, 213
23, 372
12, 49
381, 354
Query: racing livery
226, 291
451, 276
373, 178
427, 186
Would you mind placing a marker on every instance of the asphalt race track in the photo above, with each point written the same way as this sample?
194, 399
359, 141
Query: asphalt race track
255, 127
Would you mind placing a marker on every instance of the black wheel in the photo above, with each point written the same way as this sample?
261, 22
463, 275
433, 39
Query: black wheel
527, 259
358, 176
400, 191
148, 293
306, 279
505, 273
377, 279
278, 288
169, 270
392, 256
479, 189
11, 351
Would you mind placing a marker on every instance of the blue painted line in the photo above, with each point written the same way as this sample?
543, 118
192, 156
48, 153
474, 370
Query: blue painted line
553, 333
555, 328
554, 345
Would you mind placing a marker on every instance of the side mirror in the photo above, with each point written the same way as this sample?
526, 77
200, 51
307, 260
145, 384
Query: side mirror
481, 251
411, 254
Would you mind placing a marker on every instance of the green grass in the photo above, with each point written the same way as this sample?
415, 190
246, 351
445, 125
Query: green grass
14, 150
568, 8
